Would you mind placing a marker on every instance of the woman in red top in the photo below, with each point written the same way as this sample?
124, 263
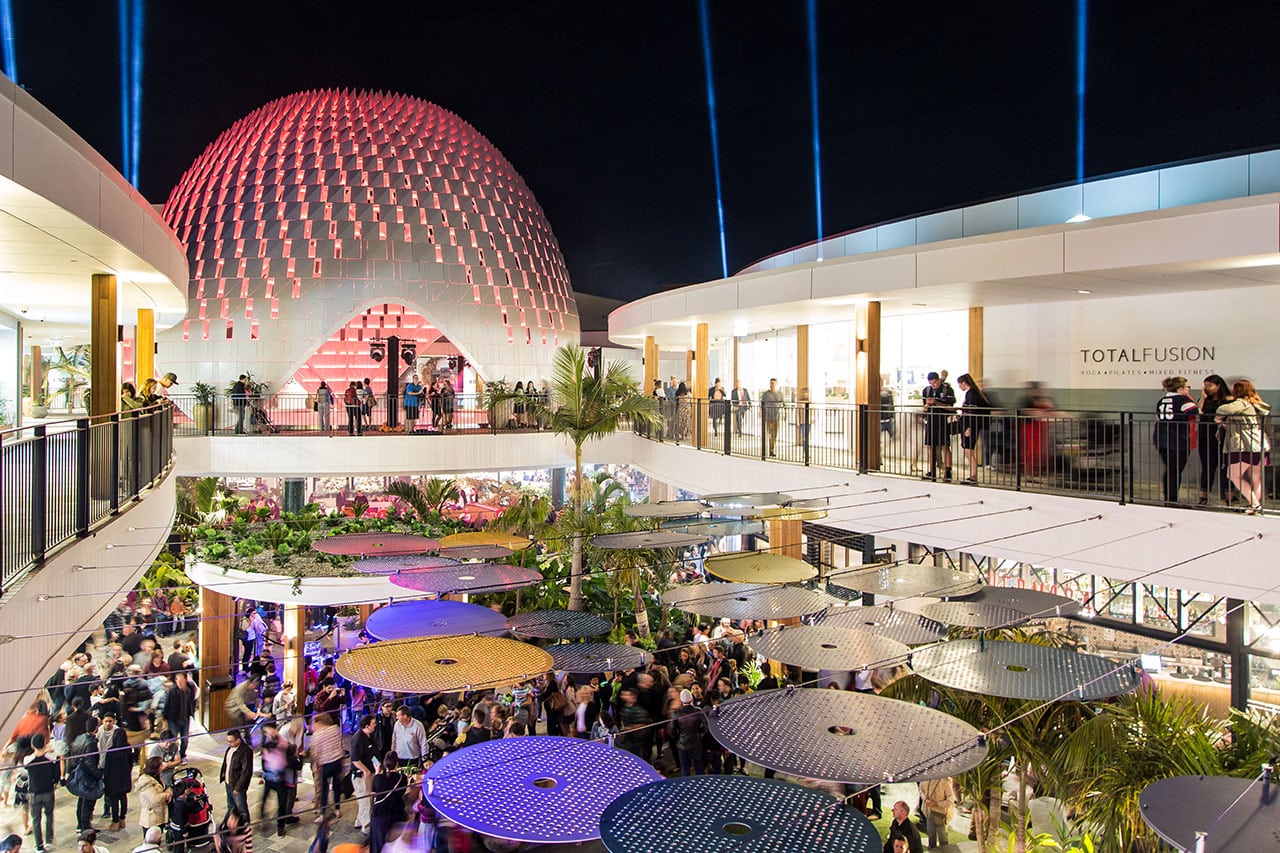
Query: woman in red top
34, 721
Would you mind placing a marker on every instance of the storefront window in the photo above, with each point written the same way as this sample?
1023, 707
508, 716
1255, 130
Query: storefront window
10, 364
832, 368
912, 345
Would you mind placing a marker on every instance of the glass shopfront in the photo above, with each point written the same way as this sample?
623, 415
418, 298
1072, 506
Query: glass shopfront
10, 371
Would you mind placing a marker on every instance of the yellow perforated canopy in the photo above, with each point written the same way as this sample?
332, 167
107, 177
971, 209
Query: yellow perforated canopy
485, 537
443, 664
760, 567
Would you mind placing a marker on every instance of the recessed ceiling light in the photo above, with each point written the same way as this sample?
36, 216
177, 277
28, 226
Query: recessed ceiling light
1084, 292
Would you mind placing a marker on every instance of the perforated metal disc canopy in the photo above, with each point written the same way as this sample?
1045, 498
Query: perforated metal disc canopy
742, 814
442, 664
1022, 670
404, 620
466, 577
845, 737
559, 624
486, 537
596, 657
908, 580
1179, 807
1032, 602
746, 500
476, 552
760, 567
715, 527
388, 564
374, 544
901, 625
534, 789
823, 647
973, 615
745, 600
648, 539
665, 509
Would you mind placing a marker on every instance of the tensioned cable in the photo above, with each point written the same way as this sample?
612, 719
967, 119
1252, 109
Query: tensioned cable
943, 753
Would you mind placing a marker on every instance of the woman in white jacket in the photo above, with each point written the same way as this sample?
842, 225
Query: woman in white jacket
153, 795
1246, 442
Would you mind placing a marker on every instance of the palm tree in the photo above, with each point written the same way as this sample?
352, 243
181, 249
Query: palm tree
1108, 761
428, 500
585, 407
1027, 734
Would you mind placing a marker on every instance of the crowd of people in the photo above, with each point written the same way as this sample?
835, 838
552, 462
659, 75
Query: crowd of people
115, 727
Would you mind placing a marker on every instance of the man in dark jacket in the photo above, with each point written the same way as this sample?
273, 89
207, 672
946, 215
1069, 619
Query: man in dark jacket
902, 827
179, 705
687, 727
237, 772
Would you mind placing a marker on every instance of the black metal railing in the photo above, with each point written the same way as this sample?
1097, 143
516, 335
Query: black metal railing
1109, 455
59, 479
299, 413
1103, 454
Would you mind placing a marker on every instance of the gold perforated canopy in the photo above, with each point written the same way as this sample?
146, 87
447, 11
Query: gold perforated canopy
443, 664
760, 567
485, 537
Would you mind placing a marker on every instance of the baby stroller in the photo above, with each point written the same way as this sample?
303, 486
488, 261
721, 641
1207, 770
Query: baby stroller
262, 421
190, 815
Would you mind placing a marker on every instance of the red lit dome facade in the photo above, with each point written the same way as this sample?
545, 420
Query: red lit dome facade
322, 206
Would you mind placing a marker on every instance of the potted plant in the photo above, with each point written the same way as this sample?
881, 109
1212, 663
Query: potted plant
39, 404
498, 404
205, 413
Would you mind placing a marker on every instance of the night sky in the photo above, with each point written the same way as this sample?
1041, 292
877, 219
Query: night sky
602, 105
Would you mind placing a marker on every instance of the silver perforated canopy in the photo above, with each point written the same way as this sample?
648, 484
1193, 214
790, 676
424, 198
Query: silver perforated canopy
596, 657
1022, 670
559, 624
648, 539
746, 600
901, 625
466, 577
665, 509
824, 647
907, 580
1237, 814
1032, 602
742, 814
845, 737
966, 614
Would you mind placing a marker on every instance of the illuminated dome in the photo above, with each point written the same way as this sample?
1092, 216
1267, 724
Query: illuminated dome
322, 206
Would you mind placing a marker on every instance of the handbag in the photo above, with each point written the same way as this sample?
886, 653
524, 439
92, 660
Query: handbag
83, 783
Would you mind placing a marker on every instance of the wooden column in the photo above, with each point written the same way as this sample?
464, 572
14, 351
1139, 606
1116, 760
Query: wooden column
802, 382
976, 346
785, 537
976, 341
217, 653
701, 382
802, 361
650, 364
144, 346
103, 381
295, 641
867, 381
37, 374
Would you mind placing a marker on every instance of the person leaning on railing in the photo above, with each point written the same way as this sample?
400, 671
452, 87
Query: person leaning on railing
1246, 442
